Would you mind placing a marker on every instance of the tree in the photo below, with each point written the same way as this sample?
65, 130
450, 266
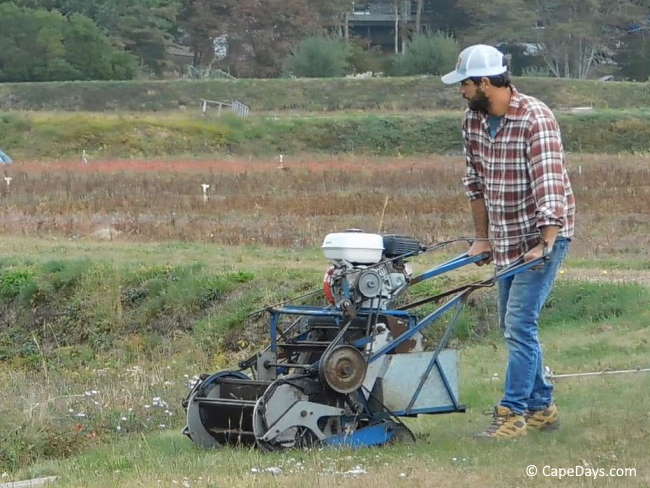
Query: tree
442, 15
571, 36
633, 57
203, 20
576, 34
143, 27
37, 45
418, 16
260, 33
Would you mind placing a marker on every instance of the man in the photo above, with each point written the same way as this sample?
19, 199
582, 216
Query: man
523, 209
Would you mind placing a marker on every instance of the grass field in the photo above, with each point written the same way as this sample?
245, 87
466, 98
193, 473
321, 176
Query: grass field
173, 134
119, 283
130, 393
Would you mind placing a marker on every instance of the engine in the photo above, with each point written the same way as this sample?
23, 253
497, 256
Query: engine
368, 270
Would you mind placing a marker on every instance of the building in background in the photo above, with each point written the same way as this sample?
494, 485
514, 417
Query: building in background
386, 23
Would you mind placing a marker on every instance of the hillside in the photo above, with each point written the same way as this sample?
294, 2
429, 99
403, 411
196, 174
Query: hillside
397, 94
57, 135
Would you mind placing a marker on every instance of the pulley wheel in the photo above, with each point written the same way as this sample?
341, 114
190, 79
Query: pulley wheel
343, 369
369, 284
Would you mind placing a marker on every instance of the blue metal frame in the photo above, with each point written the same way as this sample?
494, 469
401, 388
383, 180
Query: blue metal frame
452, 264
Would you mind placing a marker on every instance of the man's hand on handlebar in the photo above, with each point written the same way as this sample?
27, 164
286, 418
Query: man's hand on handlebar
480, 247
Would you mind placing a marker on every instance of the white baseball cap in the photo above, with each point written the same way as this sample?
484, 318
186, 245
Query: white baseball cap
478, 60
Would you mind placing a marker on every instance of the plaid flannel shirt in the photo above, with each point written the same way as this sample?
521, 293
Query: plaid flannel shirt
521, 175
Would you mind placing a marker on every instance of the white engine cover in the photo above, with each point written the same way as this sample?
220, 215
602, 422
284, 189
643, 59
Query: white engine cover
354, 247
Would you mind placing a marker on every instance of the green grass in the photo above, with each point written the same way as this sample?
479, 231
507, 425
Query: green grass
64, 135
613, 264
604, 426
122, 293
414, 93
77, 302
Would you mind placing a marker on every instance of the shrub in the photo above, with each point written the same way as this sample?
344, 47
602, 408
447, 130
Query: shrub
318, 57
363, 60
15, 282
433, 54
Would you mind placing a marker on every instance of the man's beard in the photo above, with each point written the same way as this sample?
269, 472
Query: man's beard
480, 102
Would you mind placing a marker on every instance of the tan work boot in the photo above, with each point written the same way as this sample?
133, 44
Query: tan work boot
547, 419
505, 425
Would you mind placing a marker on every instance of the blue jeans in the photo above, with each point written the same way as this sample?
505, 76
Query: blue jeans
521, 299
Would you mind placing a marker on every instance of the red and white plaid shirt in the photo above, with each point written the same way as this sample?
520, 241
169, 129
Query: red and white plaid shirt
521, 175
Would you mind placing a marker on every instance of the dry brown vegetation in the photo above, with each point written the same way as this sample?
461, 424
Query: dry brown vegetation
295, 204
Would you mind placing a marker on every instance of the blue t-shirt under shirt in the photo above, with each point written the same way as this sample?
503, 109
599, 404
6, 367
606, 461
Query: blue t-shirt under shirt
494, 122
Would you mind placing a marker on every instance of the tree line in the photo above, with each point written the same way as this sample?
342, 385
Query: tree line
47, 40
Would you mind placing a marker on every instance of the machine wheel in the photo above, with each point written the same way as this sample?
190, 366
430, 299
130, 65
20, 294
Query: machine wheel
195, 428
271, 407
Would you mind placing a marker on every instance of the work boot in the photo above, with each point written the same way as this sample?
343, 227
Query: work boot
547, 419
506, 424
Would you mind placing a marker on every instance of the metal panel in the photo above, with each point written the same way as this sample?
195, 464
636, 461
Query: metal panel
403, 375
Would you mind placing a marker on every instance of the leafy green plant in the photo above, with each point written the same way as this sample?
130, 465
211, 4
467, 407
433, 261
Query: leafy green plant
432, 54
318, 57
12, 282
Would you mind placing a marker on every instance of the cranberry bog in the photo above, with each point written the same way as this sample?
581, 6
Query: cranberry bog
294, 201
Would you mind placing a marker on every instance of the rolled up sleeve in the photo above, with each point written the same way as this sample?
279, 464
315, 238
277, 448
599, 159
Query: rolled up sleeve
472, 180
546, 171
